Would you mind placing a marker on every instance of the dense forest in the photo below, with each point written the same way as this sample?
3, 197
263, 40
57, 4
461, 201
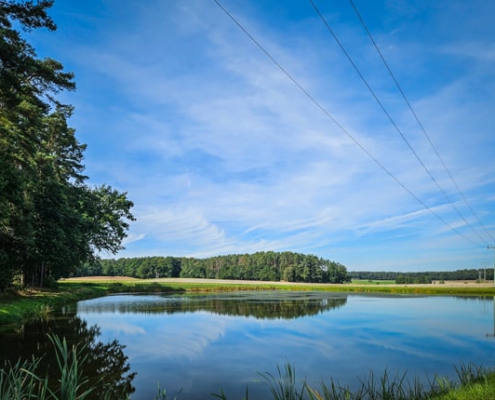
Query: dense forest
425, 277
264, 266
51, 220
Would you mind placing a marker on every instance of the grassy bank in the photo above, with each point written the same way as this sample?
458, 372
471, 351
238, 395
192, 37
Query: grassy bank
20, 305
17, 306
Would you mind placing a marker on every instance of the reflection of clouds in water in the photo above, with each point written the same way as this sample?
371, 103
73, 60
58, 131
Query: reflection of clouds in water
299, 335
398, 345
121, 328
170, 341
423, 331
163, 336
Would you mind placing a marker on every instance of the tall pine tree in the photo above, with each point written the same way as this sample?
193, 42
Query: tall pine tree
50, 220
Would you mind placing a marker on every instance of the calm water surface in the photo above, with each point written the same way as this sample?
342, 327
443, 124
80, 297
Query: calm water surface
199, 345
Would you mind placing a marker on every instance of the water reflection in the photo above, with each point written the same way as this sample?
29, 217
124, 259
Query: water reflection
105, 362
262, 305
492, 334
200, 344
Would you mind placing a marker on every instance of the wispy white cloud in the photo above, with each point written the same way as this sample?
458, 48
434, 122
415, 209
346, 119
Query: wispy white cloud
179, 224
222, 153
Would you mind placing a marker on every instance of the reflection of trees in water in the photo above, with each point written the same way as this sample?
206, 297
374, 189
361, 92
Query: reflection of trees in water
274, 308
261, 308
106, 364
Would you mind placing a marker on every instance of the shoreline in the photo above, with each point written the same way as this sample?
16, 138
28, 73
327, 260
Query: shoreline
18, 307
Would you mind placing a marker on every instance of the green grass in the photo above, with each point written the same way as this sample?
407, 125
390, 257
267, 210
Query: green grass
476, 383
20, 306
475, 391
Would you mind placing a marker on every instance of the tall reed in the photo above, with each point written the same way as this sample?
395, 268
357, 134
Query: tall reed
21, 381
69, 362
18, 381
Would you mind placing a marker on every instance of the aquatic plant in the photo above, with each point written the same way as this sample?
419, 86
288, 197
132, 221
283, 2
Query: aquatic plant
284, 387
41, 312
69, 362
471, 373
18, 381
21, 380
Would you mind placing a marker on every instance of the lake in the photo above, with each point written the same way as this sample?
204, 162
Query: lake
197, 345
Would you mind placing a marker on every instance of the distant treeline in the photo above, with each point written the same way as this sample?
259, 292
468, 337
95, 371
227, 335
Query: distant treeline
424, 277
262, 266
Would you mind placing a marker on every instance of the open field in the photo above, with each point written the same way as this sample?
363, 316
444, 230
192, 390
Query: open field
460, 288
447, 284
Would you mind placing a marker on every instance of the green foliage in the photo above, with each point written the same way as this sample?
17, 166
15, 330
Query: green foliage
262, 266
421, 277
50, 221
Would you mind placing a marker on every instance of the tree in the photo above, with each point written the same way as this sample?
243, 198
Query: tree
26, 88
50, 220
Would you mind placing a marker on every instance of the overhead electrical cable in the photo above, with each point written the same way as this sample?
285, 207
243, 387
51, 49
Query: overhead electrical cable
417, 119
447, 197
341, 127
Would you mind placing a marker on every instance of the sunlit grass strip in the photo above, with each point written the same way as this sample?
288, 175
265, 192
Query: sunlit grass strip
348, 288
207, 286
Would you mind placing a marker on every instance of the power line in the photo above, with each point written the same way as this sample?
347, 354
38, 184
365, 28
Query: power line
392, 120
341, 127
417, 119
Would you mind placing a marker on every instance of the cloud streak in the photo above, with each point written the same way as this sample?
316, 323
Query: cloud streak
222, 153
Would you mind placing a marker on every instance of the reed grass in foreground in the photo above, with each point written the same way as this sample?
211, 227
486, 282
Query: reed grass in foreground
475, 383
22, 381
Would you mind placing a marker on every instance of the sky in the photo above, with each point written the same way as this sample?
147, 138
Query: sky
245, 126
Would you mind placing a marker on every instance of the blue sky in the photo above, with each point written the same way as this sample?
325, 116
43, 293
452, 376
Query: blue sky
223, 153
